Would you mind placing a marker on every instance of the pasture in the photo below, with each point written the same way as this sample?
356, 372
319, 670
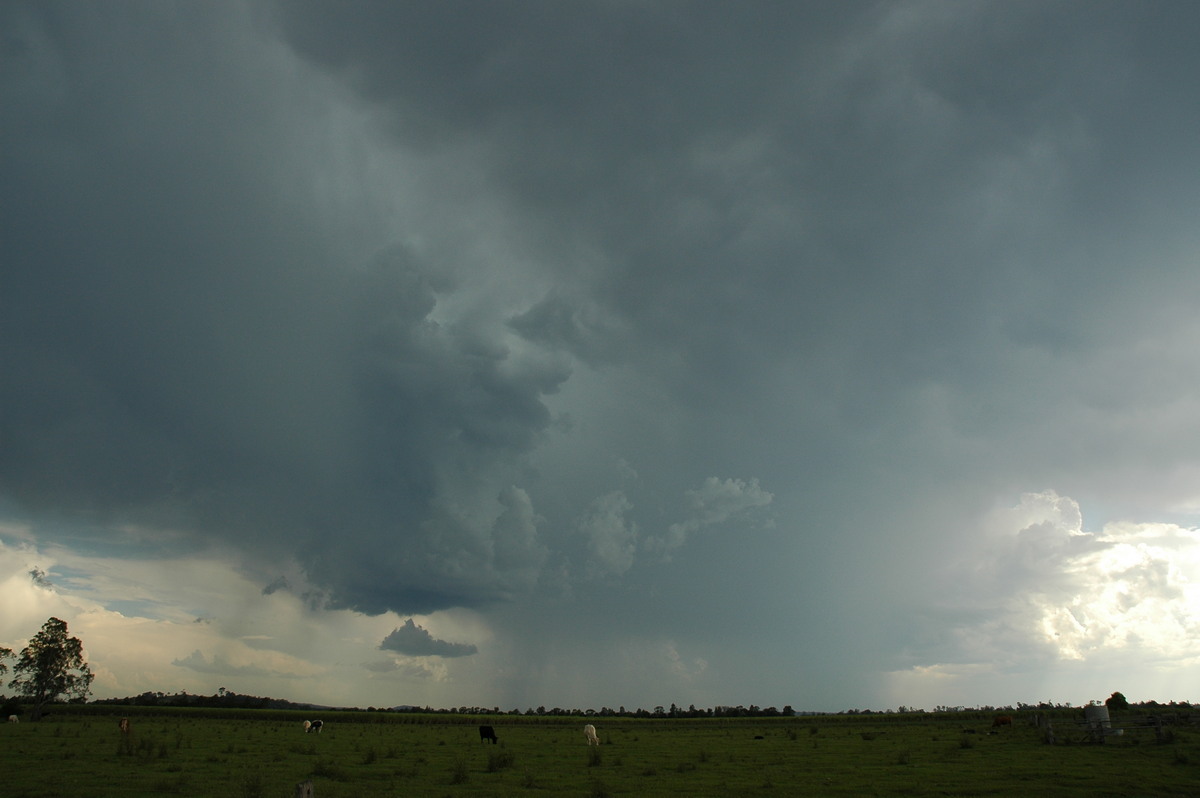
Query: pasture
252, 754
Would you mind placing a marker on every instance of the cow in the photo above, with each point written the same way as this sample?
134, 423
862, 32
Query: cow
13, 719
487, 733
589, 733
314, 726
123, 725
1002, 720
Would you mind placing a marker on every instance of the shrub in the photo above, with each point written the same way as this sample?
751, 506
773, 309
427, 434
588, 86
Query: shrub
499, 760
252, 786
329, 770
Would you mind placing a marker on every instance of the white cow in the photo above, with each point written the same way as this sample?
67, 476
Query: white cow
589, 731
13, 719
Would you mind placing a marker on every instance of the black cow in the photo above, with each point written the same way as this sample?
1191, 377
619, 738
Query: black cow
315, 726
487, 733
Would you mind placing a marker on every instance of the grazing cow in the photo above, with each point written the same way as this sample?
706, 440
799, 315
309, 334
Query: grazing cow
487, 733
1002, 720
13, 719
124, 725
314, 726
307, 726
589, 732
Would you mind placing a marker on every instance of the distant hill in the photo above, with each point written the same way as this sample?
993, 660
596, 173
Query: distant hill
223, 699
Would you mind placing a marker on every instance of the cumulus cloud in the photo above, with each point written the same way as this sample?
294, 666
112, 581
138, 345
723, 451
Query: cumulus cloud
517, 553
1039, 591
611, 536
714, 502
580, 327
27, 604
416, 641
1137, 588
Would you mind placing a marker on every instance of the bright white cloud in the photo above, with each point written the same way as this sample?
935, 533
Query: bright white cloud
1047, 598
28, 604
199, 624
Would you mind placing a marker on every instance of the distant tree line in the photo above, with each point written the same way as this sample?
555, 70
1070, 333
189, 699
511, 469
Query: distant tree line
227, 699
231, 700
222, 698
673, 711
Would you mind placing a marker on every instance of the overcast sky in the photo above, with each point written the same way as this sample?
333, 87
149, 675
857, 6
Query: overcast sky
581, 354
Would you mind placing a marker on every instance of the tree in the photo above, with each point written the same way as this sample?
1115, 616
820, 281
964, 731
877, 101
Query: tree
1116, 701
51, 666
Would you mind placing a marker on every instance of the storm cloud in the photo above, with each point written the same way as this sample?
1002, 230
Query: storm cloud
840, 349
416, 641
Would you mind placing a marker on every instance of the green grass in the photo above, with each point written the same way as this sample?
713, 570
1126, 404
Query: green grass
79, 751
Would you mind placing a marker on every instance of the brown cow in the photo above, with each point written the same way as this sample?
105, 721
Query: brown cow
1002, 720
124, 725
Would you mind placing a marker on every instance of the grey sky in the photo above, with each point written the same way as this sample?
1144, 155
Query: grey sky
817, 354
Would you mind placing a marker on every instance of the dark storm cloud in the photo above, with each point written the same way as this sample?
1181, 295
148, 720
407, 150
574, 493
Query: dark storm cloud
834, 185
39, 578
184, 347
280, 583
456, 302
416, 641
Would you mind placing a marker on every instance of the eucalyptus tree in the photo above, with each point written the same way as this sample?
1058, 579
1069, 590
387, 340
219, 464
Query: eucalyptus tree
50, 667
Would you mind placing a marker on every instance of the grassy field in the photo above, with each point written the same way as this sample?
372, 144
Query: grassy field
248, 754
